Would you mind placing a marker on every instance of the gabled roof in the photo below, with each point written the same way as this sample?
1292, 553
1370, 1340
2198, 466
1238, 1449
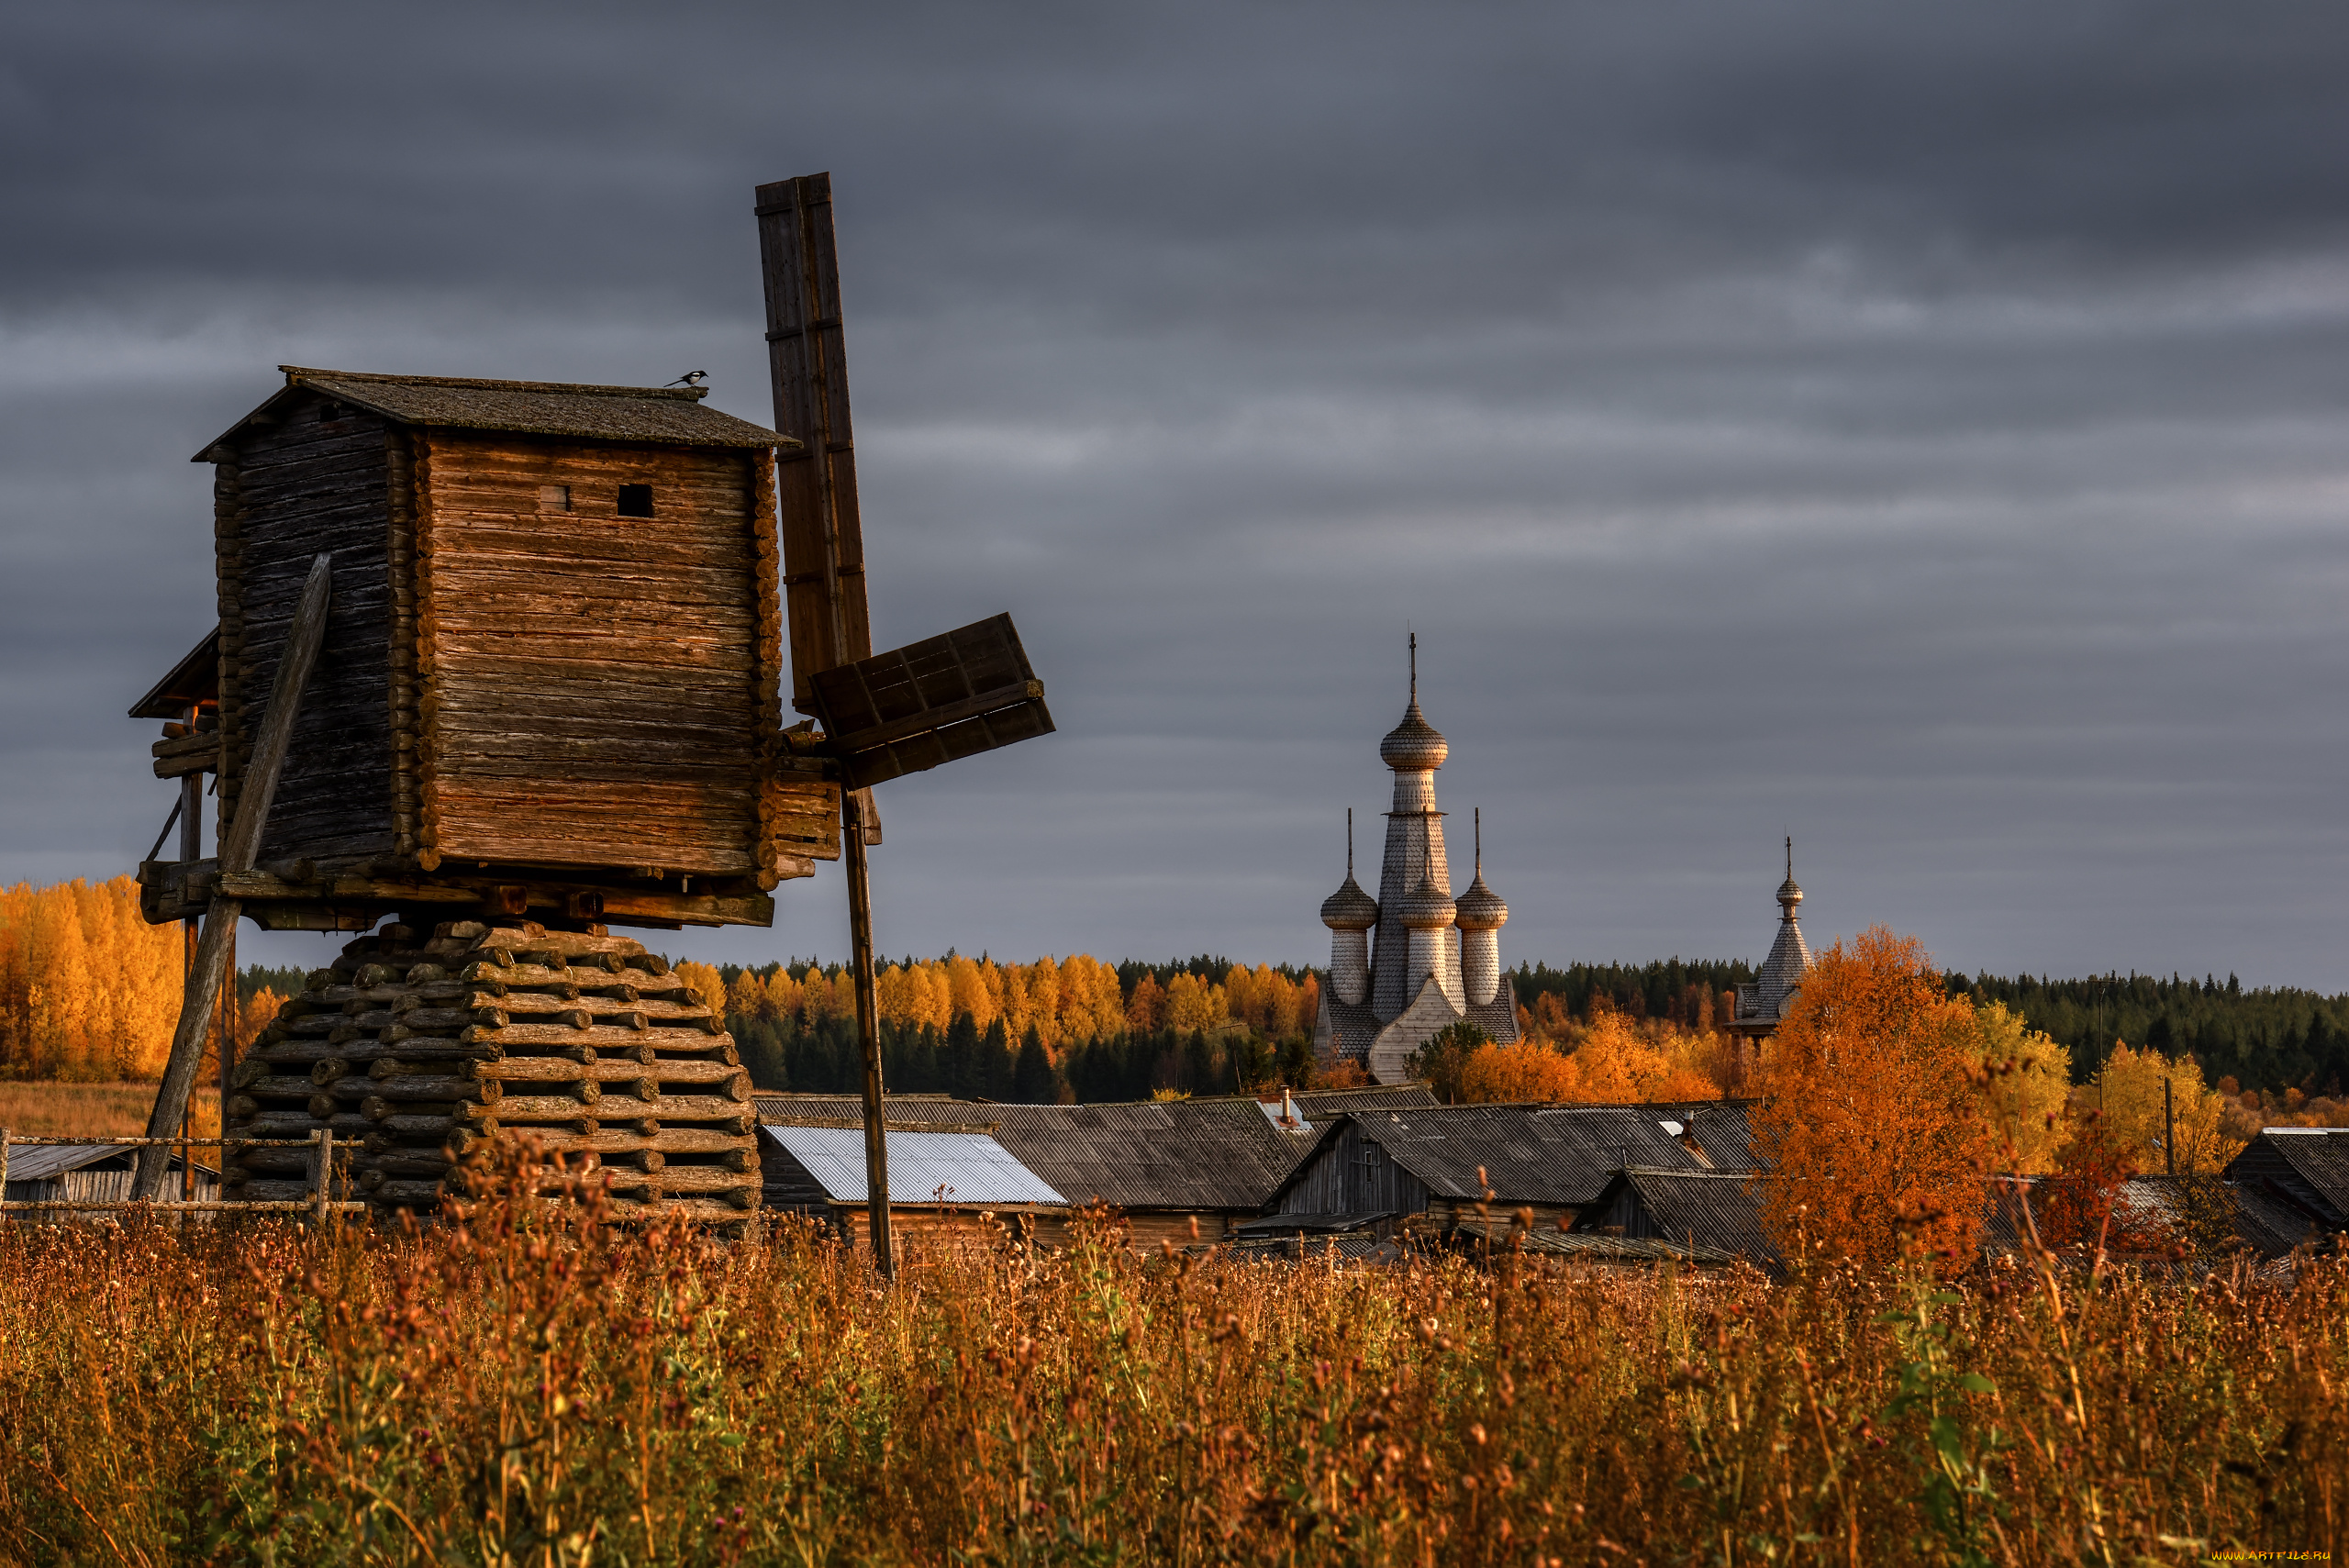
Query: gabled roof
960, 1168
2319, 1156
1715, 1211
1195, 1154
664, 416
1553, 1154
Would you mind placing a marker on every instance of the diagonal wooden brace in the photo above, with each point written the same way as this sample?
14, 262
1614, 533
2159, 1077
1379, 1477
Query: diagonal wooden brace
236, 855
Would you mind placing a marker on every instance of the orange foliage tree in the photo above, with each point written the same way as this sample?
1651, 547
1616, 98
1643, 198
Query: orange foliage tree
88, 990
1869, 1120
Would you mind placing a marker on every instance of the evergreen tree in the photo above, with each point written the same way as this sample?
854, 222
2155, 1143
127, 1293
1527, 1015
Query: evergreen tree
1031, 1080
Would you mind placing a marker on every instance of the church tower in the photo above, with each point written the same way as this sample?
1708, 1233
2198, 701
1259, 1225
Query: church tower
1433, 960
1766, 998
1414, 854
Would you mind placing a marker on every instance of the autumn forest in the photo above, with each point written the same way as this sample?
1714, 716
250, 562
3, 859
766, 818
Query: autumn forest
88, 993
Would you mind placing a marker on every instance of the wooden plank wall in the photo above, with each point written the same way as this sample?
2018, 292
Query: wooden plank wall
591, 685
303, 487
1353, 1175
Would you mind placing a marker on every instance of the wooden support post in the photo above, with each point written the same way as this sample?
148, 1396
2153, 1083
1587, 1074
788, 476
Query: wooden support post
868, 1031
239, 849
321, 1171
192, 850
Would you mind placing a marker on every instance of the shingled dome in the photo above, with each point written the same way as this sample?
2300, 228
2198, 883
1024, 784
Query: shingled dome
1480, 908
1426, 906
1350, 908
1413, 746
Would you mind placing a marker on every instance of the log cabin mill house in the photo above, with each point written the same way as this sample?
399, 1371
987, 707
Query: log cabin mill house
1434, 960
942, 1180
551, 671
547, 700
1174, 1171
1429, 1170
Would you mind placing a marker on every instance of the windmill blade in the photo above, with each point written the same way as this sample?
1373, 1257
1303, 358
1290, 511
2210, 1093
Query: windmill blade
823, 541
966, 691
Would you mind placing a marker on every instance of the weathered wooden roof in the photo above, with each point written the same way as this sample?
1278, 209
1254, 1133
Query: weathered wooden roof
40, 1162
194, 679
663, 416
1181, 1154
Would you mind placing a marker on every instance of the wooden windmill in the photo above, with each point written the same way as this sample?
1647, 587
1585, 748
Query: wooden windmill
502, 660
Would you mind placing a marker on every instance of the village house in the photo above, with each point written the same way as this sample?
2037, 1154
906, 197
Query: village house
939, 1180
1174, 1171
1444, 1169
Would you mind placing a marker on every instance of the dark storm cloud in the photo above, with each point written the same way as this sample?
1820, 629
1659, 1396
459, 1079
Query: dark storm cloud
1918, 428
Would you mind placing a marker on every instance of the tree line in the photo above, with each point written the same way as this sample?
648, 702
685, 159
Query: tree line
2272, 1038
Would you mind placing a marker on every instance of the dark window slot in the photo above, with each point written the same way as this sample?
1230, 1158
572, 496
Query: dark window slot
636, 501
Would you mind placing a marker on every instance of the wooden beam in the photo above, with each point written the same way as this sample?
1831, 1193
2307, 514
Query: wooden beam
816, 506
868, 1030
236, 855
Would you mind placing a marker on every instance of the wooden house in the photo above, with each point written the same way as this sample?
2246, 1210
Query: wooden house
2303, 1172
549, 685
1174, 1171
948, 1180
1702, 1215
96, 1173
1433, 1168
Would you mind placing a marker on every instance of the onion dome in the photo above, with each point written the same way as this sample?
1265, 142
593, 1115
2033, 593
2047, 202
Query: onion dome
1413, 746
1350, 908
1426, 907
1788, 896
1480, 908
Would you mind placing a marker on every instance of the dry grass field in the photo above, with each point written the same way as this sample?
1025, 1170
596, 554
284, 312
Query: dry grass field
97, 1110
528, 1388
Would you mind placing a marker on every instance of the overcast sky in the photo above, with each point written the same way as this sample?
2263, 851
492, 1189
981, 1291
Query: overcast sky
1922, 429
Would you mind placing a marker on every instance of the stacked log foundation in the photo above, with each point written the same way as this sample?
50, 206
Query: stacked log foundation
415, 1055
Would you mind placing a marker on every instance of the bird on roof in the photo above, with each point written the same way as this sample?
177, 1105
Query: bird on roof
691, 378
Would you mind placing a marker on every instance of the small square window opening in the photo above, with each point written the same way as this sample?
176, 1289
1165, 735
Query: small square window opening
554, 497
636, 501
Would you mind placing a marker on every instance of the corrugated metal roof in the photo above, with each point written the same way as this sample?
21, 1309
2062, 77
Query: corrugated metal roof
664, 416
1181, 1154
963, 1168
1554, 1154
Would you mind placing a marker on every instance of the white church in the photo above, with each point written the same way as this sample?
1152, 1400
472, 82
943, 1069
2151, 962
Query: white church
1435, 960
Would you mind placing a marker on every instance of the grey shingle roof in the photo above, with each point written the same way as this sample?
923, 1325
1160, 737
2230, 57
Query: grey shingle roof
666, 416
1203, 1154
1553, 1154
